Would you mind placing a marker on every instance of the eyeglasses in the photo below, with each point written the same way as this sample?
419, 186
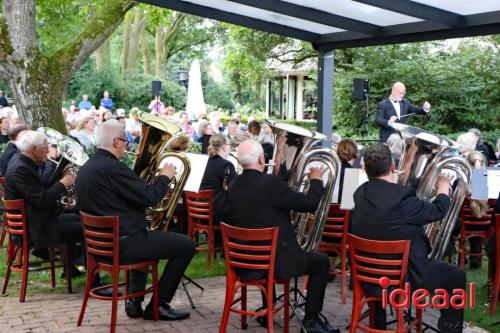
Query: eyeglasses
121, 139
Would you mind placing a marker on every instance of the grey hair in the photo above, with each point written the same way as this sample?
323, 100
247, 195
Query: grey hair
252, 156
107, 132
467, 141
30, 139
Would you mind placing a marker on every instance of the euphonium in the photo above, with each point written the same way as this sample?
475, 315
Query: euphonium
155, 134
72, 154
293, 158
425, 156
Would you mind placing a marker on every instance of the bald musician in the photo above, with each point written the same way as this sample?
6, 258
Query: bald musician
259, 200
396, 109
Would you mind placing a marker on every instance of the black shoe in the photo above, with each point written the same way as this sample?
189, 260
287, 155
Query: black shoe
331, 278
317, 326
133, 308
262, 321
166, 313
108, 292
75, 272
474, 263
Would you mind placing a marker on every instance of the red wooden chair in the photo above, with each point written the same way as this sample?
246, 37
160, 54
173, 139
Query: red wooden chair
334, 240
18, 256
367, 267
4, 223
474, 227
496, 274
200, 208
242, 252
101, 235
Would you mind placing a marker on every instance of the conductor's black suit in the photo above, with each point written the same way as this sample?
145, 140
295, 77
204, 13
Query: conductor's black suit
386, 109
387, 211
259, 200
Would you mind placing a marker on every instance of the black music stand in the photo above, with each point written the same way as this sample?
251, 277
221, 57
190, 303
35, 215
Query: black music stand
183, 285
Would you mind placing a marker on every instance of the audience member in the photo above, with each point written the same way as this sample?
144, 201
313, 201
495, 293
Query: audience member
15, 133
4, 130
106, 101
205, 132
85, 103
3, 101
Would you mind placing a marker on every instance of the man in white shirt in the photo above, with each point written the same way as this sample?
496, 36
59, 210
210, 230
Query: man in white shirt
396, 109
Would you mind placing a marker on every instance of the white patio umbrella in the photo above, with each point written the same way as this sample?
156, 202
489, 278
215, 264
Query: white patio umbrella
195, 103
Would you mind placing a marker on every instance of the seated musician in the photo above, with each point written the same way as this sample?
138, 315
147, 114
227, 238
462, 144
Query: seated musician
47, 228
107, 187
218, 174
11, 149
388, 211
259, 200
347, 150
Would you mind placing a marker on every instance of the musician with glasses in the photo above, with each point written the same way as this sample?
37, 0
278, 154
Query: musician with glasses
46, 228
108, 187
395, 109
259, 200
388, 211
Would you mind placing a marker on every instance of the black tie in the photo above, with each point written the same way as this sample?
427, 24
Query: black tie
396, 102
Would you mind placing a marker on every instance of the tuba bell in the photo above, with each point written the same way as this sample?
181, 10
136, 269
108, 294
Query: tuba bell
293, 159
72, 154
425, 156
156, 132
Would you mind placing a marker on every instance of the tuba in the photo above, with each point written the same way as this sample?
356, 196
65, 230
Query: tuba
155, 134
72, 154
293, 158
425, 156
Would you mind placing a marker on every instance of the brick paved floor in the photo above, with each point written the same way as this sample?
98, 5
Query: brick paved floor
59, 312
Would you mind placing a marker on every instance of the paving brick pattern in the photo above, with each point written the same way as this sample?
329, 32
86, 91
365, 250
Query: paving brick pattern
59, 312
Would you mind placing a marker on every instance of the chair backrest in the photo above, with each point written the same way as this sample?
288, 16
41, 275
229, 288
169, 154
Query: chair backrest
101, 235
252, 249
15, 217
372, 260
497, 239
200, 205
337, 223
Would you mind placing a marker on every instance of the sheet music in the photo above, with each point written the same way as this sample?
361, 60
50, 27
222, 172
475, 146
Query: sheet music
198, 166
479, 185
353, 178
493, 175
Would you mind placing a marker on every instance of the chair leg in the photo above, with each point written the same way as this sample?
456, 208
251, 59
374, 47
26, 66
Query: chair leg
227, 306
243, 307
68, 262
52, 269
114, 301
4, 232
156, 300
496, 287
462, 252
354, 312
343, 277
88, 285
419, 321
25, 264
210, 249
10, 261
286, 305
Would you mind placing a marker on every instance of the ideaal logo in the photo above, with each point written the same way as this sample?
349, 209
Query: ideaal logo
421, 298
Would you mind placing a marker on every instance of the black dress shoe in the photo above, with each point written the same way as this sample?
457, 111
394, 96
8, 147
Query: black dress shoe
166, 313
262, 321
317, 326
133, 308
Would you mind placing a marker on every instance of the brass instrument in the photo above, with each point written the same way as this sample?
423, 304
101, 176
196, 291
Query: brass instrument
73, 156
301, 151
425, 156
156, 133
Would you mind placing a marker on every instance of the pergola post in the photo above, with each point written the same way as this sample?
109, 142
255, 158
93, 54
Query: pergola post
325, 92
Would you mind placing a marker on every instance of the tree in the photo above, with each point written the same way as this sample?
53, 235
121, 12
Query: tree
38, 58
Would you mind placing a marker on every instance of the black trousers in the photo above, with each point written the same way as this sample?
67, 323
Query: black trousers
318, 266
441, 275
153, 245
70, 228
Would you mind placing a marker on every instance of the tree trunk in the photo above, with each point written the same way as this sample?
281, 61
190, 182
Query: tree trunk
159, 52
126, 44
135, 34
146, 62
103, 55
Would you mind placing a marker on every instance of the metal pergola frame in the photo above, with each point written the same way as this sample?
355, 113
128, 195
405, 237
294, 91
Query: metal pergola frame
433, 24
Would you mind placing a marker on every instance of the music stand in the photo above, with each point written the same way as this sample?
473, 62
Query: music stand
184, 284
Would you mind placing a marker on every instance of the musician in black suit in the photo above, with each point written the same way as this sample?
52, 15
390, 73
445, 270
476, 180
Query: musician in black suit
259, 200
11, 148
106, 186
23, 181
395, 109
388, 211
218, 174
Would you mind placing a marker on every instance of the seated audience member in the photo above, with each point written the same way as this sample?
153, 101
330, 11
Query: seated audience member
204, 133
231, 132
3, 101
484, 147
217, 124
85, 133
388, 211
122, 120
15, 133
219, 173
106, 101
47, 227
266, 139
168, 113
108, 187
259, 200
156, 106
396, 145
186, 126
85, 103
4, 130
254, 128
347, 150
467, 142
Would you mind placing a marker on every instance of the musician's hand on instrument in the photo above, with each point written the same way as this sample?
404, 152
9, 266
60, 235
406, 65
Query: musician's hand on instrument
168, 170
68, 179
316, 173
392, 119
70, 205
443, 184
281, 142
426, 106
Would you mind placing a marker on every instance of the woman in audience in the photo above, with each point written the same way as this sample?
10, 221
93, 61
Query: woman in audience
254, 128
186, 126
218, 175
347, 150
205, 131
85, 132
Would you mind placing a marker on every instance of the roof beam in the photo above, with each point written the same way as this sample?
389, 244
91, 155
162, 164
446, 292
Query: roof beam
233, 18
418, 10
312, 15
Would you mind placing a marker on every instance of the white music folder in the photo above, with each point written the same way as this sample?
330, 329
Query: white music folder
198, 165
353, 178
